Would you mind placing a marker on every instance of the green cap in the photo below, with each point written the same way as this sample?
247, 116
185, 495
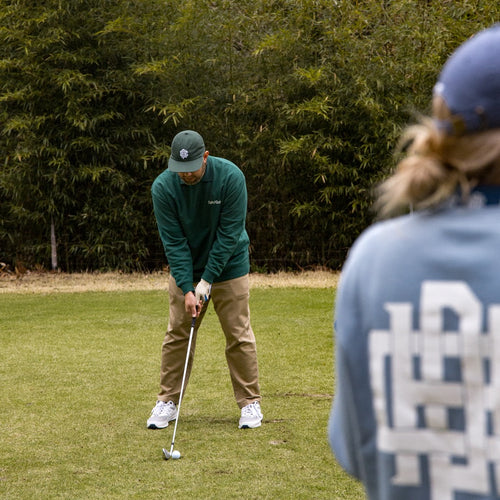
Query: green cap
187, 152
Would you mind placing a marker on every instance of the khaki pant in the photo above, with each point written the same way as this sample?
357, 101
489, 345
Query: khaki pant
230, 299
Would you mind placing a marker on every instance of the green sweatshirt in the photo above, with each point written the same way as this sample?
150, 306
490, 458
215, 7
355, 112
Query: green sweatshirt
202, 227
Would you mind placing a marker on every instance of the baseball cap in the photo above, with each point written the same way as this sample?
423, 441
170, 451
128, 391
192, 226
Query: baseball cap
187, 152
469, 83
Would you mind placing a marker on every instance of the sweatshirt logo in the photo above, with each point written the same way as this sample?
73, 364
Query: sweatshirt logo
214, 202
453, 357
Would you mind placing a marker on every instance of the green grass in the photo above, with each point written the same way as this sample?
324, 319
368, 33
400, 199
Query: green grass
79, 374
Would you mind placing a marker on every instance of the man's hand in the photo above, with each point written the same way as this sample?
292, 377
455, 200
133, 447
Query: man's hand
191, 305
202, 291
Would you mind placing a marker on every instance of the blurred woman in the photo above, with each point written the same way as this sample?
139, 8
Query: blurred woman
416, 413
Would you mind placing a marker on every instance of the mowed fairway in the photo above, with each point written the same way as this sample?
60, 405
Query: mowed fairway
79, 375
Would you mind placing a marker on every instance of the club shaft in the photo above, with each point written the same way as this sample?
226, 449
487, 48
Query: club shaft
191, 333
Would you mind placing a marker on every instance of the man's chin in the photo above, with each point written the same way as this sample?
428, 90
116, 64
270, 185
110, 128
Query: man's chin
191, 182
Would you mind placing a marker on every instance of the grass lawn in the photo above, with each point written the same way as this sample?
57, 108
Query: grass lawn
79, 375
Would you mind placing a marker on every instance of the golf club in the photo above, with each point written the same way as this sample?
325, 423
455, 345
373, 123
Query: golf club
175, 454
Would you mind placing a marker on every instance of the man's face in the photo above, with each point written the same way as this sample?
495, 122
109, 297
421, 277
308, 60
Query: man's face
192, 178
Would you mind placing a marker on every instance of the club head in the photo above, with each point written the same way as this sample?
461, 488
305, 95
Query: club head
166, 454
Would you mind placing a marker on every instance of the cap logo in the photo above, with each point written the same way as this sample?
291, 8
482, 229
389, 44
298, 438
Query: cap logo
439, 88
183, 153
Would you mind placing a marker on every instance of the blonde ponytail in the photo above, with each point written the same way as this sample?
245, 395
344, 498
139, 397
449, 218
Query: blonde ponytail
435, 165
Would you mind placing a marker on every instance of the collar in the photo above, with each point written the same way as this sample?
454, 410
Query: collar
480, 196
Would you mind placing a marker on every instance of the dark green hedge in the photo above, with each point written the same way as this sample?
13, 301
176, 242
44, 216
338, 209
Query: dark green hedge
307, 97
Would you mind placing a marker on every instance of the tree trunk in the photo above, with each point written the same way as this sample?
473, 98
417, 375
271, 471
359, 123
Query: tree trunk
53, 245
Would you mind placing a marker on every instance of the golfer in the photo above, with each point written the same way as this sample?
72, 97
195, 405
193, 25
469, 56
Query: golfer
416, 413
200, 205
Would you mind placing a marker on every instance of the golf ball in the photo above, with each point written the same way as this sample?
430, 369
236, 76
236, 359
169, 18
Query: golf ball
176, 454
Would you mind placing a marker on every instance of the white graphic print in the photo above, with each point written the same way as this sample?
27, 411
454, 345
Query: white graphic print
183, 153
412, 411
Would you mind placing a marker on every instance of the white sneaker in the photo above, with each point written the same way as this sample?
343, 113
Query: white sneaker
251, 416
161, 415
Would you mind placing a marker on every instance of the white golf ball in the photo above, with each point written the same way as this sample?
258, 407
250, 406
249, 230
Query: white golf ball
176, 454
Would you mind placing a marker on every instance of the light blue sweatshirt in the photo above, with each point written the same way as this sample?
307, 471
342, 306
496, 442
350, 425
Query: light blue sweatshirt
416, 413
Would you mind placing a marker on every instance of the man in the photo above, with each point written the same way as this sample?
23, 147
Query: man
200, 205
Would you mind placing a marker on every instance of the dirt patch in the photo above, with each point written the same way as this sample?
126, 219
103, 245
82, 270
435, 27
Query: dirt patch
46, 282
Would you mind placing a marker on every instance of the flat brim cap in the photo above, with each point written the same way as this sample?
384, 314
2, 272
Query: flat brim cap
187, 152
469, 83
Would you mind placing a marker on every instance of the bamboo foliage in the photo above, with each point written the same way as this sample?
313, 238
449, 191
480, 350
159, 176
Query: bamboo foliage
307, 97
73, 134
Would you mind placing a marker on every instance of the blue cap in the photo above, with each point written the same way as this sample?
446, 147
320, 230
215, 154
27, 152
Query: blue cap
469, 83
